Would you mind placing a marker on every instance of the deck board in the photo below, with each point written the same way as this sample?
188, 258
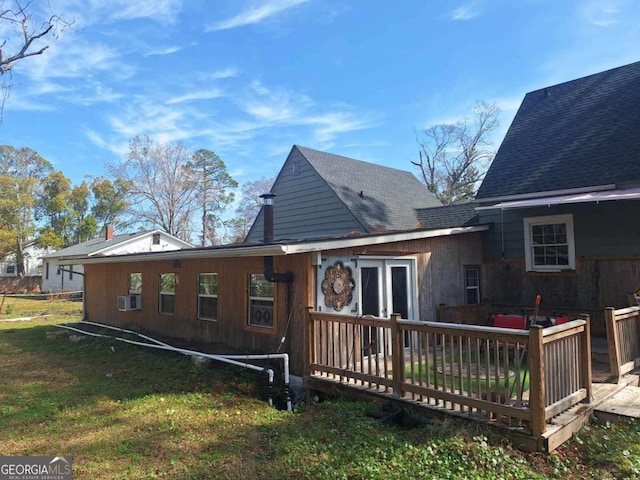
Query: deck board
623, 404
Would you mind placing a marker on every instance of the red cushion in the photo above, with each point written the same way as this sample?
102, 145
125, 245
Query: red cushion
510, 321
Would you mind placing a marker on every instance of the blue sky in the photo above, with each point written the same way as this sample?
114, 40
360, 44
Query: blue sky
250, 78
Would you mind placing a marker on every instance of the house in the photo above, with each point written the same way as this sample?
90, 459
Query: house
59, 277
562, 196
32, 262
337, 235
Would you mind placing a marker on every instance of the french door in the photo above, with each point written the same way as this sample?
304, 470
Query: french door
386, 286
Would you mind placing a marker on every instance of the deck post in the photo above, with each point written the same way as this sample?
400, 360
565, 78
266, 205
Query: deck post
613, 342
585, 358
311, 341
397, 355
537, 375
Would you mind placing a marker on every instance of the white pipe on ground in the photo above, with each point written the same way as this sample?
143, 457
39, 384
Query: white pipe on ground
283, 356
269, 371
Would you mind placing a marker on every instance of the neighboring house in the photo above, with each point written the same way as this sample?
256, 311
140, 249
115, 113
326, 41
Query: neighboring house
32, 262
59, 278
562, 195
340, 244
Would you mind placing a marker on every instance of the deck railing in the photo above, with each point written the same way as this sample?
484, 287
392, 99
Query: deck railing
521, 377
623, 338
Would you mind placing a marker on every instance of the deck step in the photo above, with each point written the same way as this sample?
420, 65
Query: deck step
625, 404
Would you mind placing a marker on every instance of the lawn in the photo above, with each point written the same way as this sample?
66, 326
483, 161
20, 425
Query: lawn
123, 411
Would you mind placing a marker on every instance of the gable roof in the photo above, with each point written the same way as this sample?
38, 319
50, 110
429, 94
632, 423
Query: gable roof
578, 135
101, 245
335, 195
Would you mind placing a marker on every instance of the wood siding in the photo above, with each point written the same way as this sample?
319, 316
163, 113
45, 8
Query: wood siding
305, 206
440, 262
607, 244
104, 282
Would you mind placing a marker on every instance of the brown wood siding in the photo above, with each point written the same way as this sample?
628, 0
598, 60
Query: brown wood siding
441, 262
104, 282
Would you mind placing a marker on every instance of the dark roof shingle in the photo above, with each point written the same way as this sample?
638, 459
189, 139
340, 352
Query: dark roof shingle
578, 134
381, 198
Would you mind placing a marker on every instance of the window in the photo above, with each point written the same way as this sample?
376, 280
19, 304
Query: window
47, 271
472, 284
135, 283
70, 272
167, 293
260, 301
549, 243
11, 269
208, 296
156, 239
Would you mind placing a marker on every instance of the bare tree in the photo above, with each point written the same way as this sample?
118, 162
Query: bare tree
455, 157
248, 207
163, 192
22, 36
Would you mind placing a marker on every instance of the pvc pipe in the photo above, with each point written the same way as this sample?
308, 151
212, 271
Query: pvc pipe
269, 371
283, 356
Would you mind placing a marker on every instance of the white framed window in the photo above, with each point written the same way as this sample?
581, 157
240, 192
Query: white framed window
261, 295
472, 284
208, 296
549, 243
155, 239
167, 300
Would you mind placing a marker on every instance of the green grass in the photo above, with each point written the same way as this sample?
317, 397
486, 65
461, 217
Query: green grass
431, 371
126, 412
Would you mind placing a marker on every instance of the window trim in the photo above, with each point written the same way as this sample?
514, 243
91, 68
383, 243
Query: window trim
161, 293
272, 330
528, 222
205, 295
477, 287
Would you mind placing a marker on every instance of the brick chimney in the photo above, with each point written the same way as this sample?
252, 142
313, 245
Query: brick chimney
109, 232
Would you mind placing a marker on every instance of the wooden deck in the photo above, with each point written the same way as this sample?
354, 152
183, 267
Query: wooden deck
428, 368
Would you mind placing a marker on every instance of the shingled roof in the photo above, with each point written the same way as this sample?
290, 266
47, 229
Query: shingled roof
398, 191
448, 216
574, 135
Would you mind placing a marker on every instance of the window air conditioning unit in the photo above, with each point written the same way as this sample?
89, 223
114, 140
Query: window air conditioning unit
129, 302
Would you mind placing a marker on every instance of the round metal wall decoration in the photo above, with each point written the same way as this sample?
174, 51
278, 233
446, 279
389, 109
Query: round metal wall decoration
337, 286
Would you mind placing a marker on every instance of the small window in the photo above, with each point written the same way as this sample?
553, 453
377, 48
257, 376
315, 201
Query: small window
46, 275
260, 301
156, 239
70, 272
11, 269
58, 271
167, 303
208, 296
135, 283
549, 243
472, 284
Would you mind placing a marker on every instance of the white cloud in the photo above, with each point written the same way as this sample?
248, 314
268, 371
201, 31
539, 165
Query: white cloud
602, 13
163, 51
196, 95
251, 16
99, 11
464, 12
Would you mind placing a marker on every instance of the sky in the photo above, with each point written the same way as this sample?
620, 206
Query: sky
248, 79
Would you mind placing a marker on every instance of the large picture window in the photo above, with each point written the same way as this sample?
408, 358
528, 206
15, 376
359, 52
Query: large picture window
167, 300
208, 296
260, 301
549, 243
